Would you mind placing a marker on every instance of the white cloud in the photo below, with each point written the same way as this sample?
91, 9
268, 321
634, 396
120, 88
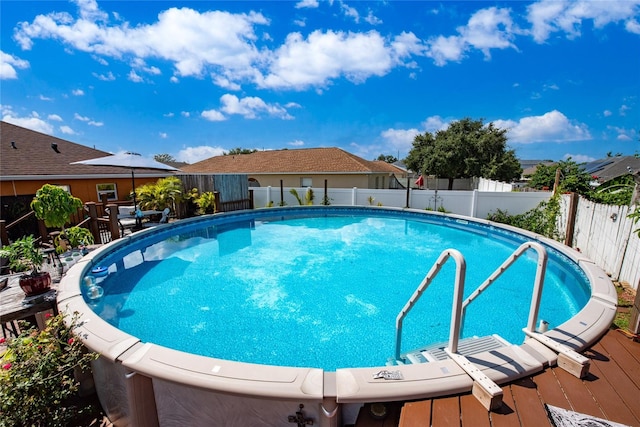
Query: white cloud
8, 65
251, 107
579, 158
307, 4
185, 113
87, 120
435, 123
174, 79
632, 26
163, 135
399, 139
622, 133
105, 77
67, 130
372, 19
487, 29
324, 56
45, 98
195, 154
34, 122
350, 12
134, 77
549, 127
168, 115
607, 113
623, 110
490, 28
296, 143
54, 117
213, 115
77, 92
550, 16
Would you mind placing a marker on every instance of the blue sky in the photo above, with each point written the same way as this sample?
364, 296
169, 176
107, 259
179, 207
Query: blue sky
194, 78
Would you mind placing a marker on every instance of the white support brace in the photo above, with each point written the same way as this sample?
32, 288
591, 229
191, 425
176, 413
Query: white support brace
484, 389
568, 359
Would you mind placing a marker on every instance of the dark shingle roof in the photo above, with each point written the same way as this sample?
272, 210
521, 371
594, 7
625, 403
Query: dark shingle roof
612, 167
309, 160
34, 155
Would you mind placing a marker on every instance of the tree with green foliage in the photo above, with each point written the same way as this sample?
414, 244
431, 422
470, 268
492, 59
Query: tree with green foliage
239, 150
387, 158
573, 177
54, 205
467, 148
164, 158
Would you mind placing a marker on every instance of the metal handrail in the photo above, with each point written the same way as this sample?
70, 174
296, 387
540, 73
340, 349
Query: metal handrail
461, 267
537, 285
459, 306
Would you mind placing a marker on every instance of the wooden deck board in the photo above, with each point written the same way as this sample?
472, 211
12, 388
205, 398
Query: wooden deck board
506, 416
416, 414
624, 357
624, 386
528, 404
578, 394
472, 413
550, 391
609, 399
446, 412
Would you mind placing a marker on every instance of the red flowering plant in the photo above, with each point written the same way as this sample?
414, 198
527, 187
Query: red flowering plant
37, 374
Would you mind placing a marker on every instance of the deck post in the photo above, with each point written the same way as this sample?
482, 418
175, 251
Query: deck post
93, 221
113, 221
218, 206
4, 237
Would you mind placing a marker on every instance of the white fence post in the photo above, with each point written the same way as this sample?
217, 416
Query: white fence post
353, 196
474, 204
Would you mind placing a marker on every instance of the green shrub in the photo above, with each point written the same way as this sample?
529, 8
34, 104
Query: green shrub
541, 219
37, 383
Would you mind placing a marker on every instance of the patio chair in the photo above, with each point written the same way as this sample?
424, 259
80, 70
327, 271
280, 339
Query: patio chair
163, 219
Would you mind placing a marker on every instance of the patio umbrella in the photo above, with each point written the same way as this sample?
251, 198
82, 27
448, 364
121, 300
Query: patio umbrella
128, 160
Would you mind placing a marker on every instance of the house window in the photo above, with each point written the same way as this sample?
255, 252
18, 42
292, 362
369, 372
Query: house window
66, 188
110, 190
306, 182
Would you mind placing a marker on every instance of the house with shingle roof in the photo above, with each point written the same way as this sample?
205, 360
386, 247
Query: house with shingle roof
30, 159
308, 167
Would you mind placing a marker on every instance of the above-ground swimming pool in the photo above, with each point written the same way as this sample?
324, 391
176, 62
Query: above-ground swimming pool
317, 289
321, 290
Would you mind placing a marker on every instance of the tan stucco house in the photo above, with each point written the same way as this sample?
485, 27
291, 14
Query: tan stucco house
308, 167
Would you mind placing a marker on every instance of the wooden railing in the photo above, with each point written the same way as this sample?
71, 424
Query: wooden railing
102, 219
91, 216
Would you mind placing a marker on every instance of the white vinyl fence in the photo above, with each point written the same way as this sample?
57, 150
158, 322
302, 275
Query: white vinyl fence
606, 235
477, 204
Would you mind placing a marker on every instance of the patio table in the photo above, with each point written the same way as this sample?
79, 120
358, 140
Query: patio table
15, 305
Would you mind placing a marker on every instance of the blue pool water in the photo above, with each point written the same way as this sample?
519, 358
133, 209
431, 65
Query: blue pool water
323, 290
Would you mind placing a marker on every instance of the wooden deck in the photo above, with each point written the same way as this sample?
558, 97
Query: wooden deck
611, 391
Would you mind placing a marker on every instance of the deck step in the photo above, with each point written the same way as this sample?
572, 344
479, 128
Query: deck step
466, 347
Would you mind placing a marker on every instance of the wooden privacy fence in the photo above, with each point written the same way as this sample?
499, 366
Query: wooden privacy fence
232, 189
605, 234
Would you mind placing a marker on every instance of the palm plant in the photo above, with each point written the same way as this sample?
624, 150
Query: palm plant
166, 192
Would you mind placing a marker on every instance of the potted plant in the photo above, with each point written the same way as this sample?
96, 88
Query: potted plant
206, 202
25, 256
73, 237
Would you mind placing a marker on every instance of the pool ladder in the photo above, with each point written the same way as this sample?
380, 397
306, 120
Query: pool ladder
487, 392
